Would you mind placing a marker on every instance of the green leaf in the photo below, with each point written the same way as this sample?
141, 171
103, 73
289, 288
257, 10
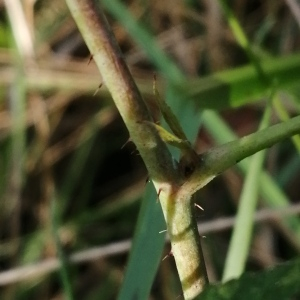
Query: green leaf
240, 86
145, 254
280, 282
240, 241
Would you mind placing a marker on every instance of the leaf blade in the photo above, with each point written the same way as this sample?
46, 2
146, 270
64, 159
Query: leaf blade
146, 249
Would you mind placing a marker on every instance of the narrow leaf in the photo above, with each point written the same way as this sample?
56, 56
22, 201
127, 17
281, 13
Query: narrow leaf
146, 251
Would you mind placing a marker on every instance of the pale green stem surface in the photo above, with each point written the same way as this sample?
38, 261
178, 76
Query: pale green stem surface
218, 159
271, 192
284, 116
174, 187
166, 177
119, 82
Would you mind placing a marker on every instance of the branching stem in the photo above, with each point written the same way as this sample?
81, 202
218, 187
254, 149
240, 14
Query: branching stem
175, 184
165, 175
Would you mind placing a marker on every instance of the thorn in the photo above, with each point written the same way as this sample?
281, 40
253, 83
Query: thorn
179, 296
158, 194
90, 59
200, 207
162, 231
134, 151
165, 257
128, 141
97, 90
147, 179
168, 255
159, 191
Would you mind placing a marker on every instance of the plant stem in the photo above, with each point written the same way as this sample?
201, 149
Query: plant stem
216, 160
175, 185
186, 249
117, 78
167, 178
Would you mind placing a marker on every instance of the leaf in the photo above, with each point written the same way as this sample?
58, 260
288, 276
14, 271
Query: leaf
240, 86
240, 241
146, 251
280, 282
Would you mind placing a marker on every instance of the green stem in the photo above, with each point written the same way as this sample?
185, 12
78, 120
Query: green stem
117, 78
218, 159
175, 185
166, 177
184, 237
284, 116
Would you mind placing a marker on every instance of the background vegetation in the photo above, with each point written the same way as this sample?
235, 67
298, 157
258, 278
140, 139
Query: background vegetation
71, 185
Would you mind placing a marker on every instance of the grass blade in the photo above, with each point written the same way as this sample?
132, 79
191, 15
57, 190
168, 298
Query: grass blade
146, 250
240, 86
242, 232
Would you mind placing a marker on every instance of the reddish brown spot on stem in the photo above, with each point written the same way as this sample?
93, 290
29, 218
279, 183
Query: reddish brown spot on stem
158, 194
